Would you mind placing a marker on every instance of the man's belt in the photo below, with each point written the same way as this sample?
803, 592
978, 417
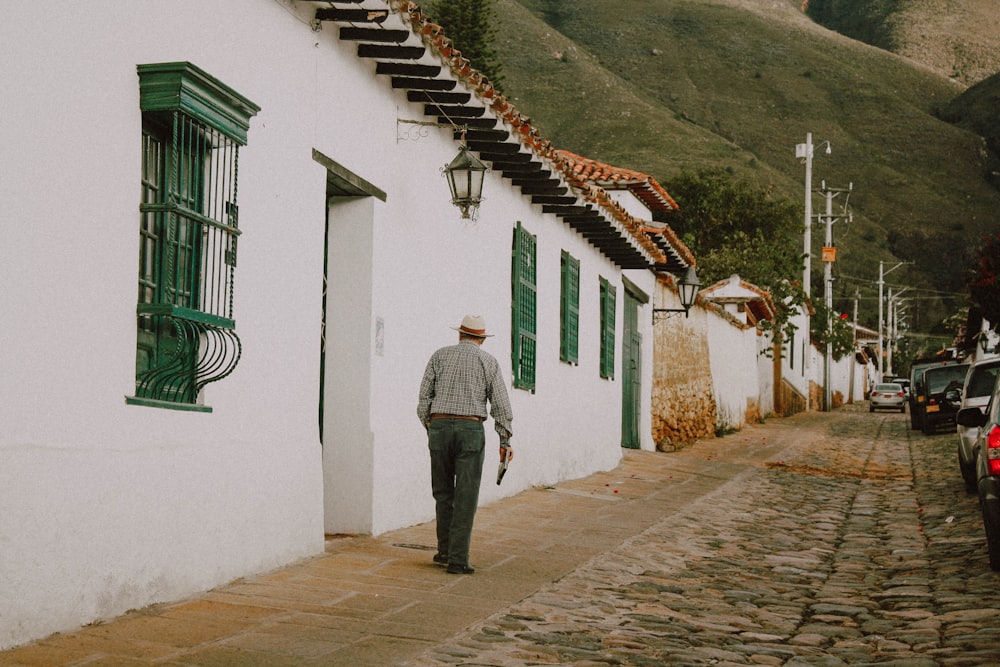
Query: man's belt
444, 416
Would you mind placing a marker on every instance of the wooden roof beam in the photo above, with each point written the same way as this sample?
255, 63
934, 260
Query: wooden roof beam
390, 52
352, 15
374, 35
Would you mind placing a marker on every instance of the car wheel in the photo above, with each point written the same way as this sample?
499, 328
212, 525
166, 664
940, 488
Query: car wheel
928, 426
902, 409
968, 474
991, 522
871, 408
913, 420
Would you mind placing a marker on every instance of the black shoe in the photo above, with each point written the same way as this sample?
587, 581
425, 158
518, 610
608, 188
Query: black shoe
460, 569
441, 558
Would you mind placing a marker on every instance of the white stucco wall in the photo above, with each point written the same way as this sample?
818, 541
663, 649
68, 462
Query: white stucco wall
849, 378
734, 370
107, 506
742, 377
765, 373
800, 363
428, 268
434, 268
631, 203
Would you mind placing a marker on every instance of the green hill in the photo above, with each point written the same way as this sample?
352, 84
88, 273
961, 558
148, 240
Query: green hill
959, 39
665, 85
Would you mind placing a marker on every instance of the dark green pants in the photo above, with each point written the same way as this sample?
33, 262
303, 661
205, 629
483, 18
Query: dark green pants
457, 449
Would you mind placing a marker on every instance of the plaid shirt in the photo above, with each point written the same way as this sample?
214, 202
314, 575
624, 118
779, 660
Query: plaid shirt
458, 380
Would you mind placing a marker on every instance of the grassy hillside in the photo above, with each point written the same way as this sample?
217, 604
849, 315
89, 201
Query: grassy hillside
960, 39
978, 110
665, 85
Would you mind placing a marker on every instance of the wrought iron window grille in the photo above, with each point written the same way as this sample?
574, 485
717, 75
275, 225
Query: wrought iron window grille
193, 127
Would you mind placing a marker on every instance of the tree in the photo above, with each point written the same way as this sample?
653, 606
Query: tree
840, 334
984, 283
736, 226
469, 24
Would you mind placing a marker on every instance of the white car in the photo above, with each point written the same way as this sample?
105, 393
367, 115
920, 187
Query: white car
887, 396
976, 392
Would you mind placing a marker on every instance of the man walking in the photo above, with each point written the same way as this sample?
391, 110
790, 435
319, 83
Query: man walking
458, 382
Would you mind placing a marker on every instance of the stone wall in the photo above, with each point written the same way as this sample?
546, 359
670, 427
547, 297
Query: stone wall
683, 403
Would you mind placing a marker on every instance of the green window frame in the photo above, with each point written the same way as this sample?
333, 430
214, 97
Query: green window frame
607, 329
192, 129
524, 297
569, 309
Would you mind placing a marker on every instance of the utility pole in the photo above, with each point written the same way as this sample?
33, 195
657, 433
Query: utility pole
805, 153
829, 257
854, 345
881, 327
893, 326
889, 334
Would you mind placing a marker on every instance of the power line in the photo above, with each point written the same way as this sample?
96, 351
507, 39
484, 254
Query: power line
874, 283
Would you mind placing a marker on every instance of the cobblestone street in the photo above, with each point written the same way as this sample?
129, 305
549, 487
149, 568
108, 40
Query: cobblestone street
859, 546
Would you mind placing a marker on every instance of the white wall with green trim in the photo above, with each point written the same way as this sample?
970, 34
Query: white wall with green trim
109, 507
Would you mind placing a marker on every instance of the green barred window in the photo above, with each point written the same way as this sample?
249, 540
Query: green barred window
192, 128
523, 299
569, 309
607, 329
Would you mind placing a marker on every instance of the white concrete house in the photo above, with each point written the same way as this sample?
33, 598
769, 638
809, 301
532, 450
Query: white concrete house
214, 413
804, 368
742, 370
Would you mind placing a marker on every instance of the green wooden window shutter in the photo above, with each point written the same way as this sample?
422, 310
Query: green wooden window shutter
607, 329
569, 309
523, 302
192, 129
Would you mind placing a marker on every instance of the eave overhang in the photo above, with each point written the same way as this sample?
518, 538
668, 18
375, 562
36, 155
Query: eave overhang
417, 57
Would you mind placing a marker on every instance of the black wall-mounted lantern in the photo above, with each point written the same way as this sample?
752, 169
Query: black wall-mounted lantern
465, 179
688, 288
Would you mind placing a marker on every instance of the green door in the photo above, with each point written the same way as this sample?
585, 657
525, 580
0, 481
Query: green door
631, 373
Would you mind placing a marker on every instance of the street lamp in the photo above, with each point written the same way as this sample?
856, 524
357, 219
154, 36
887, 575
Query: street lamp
465, 179
805, 153
687, 288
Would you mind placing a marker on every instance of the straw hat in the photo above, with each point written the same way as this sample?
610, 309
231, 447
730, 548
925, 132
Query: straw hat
473, 325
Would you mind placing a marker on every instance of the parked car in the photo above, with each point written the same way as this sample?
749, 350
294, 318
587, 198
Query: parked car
976, 392
915, 399
987, 468
941, 392
905, 384
887, 396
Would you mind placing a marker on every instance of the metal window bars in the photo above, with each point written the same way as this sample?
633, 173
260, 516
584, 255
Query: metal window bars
190, 223
188, 247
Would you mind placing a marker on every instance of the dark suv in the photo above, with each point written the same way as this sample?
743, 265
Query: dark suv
942, 395
987, 468
916, 396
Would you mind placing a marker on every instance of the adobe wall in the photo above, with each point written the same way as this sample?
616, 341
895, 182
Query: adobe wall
683, 403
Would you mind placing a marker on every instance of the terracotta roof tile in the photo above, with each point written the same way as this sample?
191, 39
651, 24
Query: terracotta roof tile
589, 178
582, 170
643, 186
